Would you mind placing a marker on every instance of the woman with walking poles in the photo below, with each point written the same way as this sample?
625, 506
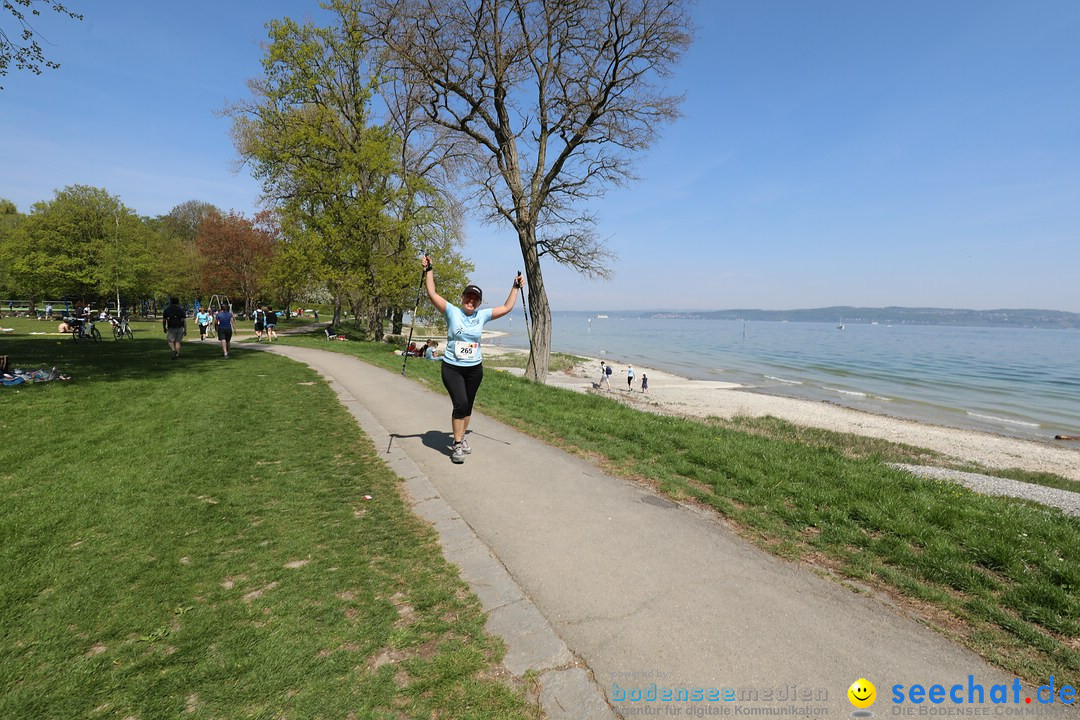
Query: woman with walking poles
462, 366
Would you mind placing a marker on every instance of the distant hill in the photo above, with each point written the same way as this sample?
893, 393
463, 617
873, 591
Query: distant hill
895, 316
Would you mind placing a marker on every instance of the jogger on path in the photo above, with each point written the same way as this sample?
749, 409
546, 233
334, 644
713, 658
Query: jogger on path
462, 367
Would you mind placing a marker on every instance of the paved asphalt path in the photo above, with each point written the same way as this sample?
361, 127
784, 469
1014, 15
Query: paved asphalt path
637, 589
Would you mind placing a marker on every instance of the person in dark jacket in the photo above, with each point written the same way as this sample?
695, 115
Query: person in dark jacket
174, 323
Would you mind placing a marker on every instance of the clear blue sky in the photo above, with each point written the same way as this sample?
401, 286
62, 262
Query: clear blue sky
919, 153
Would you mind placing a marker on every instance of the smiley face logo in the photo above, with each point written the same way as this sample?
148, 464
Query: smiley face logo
862, 693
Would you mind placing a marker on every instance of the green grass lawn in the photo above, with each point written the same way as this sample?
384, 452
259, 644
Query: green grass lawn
1001, 576
193, 539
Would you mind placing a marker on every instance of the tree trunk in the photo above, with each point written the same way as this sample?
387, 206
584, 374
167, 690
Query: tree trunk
539, 316
335, 321
375, 323
356, 309
398, 321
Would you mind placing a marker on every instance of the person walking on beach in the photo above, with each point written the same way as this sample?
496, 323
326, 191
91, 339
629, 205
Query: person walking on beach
605, 376
644, 383
223, 321
462, 366
630, 379
174, 323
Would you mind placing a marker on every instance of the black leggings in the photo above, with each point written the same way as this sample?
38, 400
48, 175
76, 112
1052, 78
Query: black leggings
462, 382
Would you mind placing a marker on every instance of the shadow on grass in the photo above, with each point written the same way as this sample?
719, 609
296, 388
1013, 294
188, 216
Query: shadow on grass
145, 356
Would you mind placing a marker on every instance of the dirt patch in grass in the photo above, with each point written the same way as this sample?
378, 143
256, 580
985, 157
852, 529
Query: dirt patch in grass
256, 594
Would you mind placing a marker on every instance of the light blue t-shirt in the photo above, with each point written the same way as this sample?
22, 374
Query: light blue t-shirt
463, 335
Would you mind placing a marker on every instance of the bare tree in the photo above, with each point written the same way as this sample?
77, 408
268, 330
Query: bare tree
554, 97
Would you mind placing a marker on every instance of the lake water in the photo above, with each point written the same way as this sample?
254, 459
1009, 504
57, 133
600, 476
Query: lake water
1012, 381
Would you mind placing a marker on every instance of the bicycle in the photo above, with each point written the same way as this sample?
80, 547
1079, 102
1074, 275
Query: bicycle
121, 329
82, 329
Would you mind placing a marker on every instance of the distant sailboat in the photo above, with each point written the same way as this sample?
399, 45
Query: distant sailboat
601, 317
841, 325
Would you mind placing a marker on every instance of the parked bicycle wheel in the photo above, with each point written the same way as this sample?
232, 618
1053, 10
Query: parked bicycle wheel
76, 334
117, 333
127, 332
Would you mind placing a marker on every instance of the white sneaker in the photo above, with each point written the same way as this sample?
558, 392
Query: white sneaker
465, 446
458, 455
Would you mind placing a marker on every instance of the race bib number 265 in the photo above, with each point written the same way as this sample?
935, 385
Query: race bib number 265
467, 351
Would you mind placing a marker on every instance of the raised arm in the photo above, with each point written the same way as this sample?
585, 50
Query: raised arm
429, 284
511, 299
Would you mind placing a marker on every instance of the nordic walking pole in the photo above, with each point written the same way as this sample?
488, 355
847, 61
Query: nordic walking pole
412, 323
528, 333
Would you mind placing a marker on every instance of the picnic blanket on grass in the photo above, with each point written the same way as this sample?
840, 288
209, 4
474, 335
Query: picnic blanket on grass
21, 377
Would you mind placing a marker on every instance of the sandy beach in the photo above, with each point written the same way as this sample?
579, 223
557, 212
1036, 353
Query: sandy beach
674, 395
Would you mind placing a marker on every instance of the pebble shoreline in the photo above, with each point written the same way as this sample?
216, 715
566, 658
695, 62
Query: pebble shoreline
674, 395
1064, 500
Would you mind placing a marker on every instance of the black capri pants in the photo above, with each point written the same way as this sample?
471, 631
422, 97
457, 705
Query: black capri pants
462, 382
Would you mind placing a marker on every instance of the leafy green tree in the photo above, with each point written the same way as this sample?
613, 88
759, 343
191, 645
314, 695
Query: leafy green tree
85, 244
134, 262
179, 230
185, 219
293, 272
309, 136
23, 48
9, 221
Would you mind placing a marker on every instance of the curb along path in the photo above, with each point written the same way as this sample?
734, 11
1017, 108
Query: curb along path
567, 687
611, 592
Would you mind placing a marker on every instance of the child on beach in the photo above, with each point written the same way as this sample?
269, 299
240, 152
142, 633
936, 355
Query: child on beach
644, 383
